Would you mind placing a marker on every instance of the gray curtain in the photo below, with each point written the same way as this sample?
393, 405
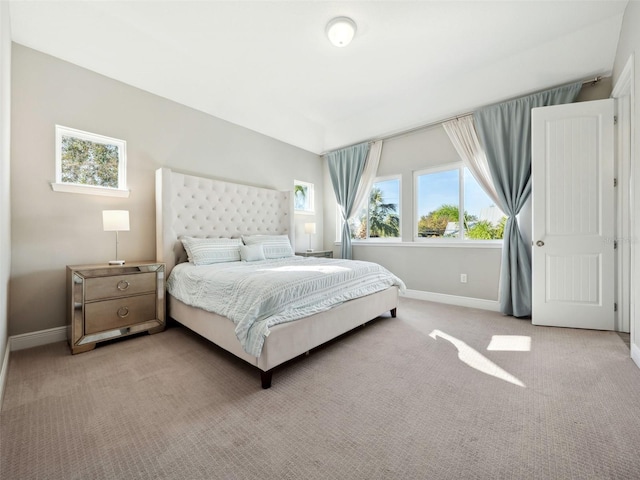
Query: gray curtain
345, 168
505, 132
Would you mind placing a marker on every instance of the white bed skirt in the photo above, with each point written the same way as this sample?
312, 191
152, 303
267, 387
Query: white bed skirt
288, 340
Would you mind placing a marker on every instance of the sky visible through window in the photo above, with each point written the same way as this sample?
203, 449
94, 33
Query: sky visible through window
439, 189
390, 190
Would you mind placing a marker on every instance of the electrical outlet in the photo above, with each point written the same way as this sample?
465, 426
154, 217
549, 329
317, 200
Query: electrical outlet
463, 278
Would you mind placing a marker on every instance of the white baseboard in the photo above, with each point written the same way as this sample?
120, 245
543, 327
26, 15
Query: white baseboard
59, 334
28, 340
480, 303
635, 354
35, 339
3, 371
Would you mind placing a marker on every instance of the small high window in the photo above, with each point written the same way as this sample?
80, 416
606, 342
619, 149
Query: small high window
303, 201
90, 163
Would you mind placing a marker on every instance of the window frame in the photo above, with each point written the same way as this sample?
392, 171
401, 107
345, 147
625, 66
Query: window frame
60, 186
397, 239
311, 194
460, 239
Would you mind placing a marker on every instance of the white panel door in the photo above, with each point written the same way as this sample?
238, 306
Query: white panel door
573, 215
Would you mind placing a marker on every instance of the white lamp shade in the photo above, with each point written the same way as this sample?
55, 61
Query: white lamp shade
115, 220
340, 31
310, 228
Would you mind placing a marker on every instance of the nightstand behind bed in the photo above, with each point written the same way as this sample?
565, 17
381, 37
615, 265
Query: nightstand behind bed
317, 253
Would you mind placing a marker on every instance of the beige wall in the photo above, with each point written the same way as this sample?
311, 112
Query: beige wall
422, 267
51, 229
597, 91
5, 209
629, 44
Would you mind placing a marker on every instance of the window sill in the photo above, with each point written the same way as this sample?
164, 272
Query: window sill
89, 190
435, 244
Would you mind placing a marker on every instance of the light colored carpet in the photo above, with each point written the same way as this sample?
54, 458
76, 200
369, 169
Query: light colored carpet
387, 401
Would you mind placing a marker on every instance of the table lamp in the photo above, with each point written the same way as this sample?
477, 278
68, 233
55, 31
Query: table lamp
115, 221
310, 229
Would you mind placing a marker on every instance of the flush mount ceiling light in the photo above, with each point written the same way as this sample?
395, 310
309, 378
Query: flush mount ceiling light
340, 31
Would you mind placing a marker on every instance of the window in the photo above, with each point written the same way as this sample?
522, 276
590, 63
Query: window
451, 205
90, 163
303, 197
380, 219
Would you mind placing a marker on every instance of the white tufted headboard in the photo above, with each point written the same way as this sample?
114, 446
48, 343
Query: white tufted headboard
203, 207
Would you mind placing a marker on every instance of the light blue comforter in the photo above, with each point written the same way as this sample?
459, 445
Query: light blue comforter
258, 295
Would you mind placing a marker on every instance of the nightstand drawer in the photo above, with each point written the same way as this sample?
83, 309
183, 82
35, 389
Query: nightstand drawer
119, 286
121, 312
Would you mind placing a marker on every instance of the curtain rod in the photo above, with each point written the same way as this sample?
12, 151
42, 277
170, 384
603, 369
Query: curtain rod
590, 83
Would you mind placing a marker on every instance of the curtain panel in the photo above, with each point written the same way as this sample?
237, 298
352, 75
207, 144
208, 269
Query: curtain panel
368, 176
345, 168
505, 133
464, 137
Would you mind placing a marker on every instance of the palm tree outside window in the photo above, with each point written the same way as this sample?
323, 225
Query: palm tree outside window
303, 197
380, 219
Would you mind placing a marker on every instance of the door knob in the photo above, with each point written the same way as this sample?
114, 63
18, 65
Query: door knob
540, 243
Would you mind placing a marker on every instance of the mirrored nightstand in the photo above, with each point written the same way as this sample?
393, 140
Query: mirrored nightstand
111, 301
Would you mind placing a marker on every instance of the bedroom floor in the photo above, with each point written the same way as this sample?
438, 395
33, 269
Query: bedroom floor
440, 392
626, 338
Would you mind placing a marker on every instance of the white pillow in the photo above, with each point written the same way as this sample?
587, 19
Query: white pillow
205, 251
274, 246
251, 253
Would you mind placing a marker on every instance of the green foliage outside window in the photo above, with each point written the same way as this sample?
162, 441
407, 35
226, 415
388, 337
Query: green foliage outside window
89, 163
381, 219
435, 223
300, 191
485, 230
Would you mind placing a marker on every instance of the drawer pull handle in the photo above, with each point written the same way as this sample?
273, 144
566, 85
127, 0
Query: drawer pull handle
123, 312
123, 285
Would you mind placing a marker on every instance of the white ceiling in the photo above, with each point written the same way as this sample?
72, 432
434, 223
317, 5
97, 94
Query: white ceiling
268, 66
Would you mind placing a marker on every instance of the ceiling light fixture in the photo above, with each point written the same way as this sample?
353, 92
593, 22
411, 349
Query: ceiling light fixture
340, 31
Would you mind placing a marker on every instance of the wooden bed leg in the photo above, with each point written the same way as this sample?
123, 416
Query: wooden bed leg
266, 378
393, 313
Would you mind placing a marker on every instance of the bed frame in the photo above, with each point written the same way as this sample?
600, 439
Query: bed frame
203, 207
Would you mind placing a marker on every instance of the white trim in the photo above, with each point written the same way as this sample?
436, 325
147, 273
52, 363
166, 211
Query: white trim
89, 189
62, 131
4, 372
480, 303
623, 232
35, 339
624, 84
635, 354
433, 244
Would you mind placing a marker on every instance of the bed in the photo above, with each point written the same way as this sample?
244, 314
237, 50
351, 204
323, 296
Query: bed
198, 207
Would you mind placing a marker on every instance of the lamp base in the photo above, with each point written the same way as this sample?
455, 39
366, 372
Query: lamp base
116, 262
